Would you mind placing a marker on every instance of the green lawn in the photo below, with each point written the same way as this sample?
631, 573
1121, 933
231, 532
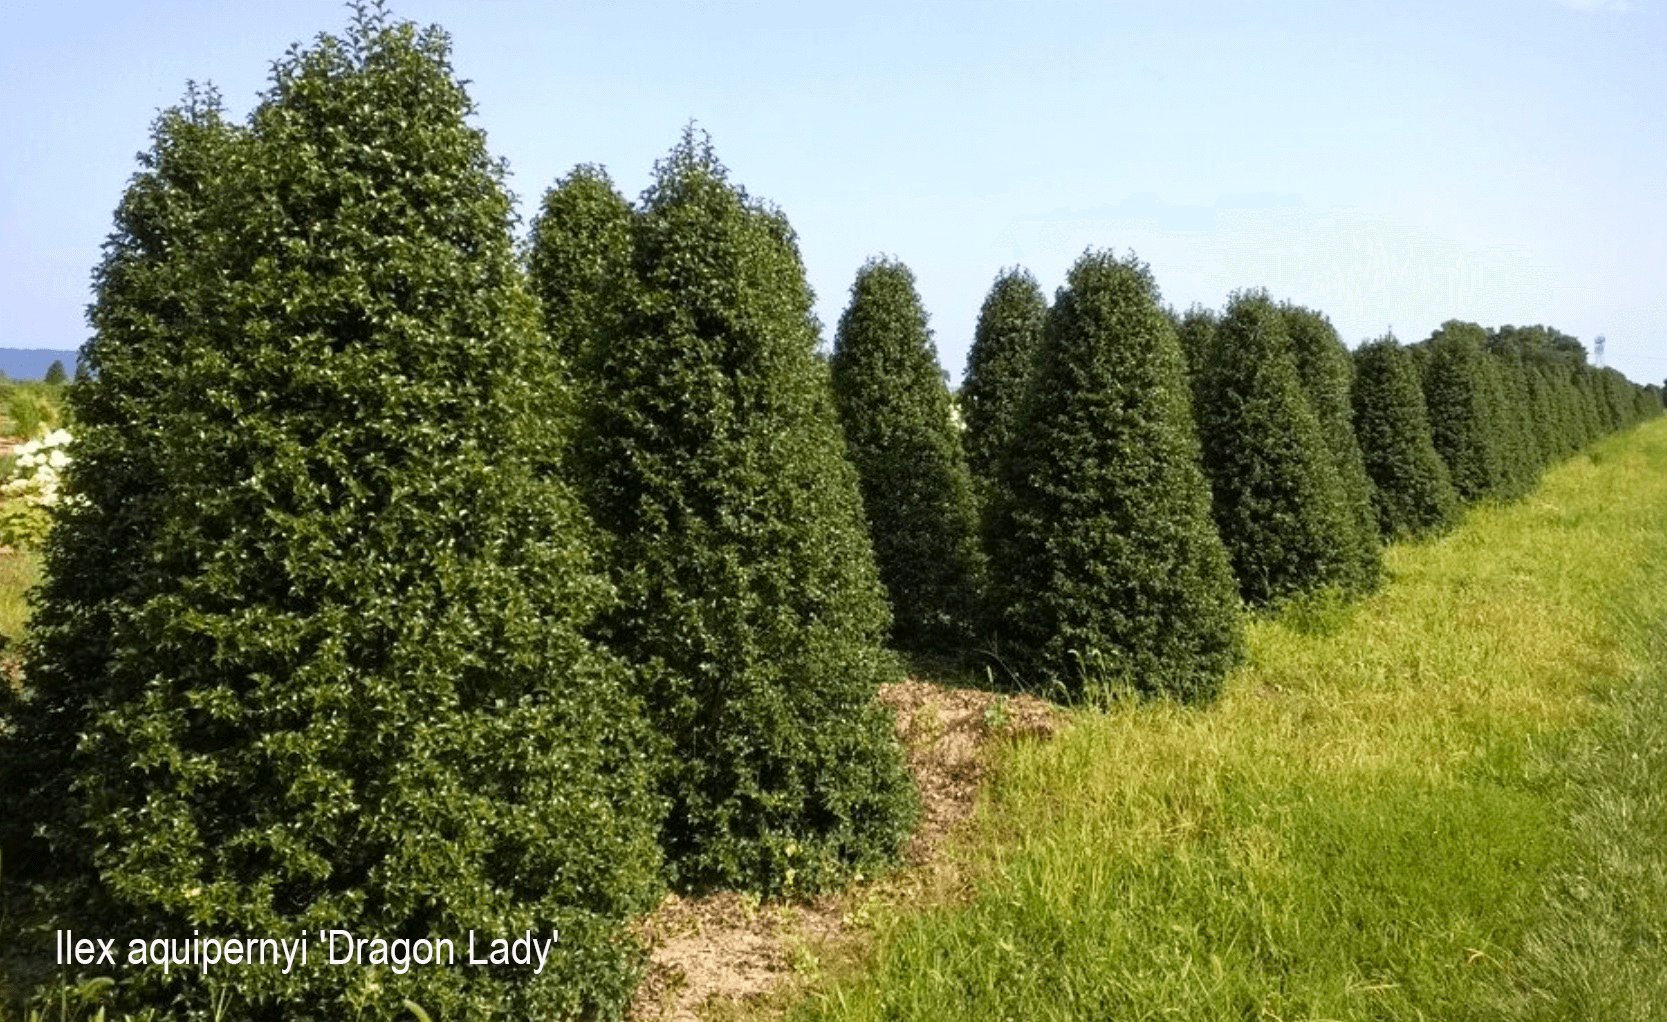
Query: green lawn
1443, 803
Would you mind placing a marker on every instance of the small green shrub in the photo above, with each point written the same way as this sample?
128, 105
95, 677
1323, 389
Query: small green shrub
23, 526
31, 489
30, 412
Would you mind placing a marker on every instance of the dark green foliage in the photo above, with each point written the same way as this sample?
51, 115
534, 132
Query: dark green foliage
1644, 403
751, 599
1507, 403
310, 653
999, 368
1543, 423
1327, 374
1411, 491
1508, 392
1419, 357
1196, 332
906, 446
579, 260
1460, 394
56, 374
1590, 411
1108, 573
1528, 354
1617, 399
1281, 510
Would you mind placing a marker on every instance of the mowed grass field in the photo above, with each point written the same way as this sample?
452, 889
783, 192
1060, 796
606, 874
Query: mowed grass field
1445, 802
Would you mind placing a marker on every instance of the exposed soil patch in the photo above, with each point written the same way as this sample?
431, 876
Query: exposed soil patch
730, 948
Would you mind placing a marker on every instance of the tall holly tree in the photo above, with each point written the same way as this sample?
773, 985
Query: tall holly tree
1524, 351
309, 652
1460, 394
916, 491
1411, 491
1281, 510
1196, 330
579, 261
1508, 391
999, 367
1327, 374
751, 602
1108, 572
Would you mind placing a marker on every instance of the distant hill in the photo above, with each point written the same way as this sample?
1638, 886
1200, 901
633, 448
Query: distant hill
32, 363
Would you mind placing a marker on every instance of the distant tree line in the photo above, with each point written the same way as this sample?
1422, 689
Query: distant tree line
416, 581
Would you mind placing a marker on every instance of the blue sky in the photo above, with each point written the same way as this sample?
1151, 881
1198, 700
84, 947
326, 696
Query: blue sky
1390, 163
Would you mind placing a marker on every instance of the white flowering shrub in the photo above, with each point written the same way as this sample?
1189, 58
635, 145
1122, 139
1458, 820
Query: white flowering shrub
26, 498
37, 469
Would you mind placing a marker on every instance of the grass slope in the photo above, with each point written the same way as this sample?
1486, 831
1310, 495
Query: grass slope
1424, 806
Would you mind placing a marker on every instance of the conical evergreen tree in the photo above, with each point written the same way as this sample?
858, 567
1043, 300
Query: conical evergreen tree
1509, 396
1613, 392
1463, 410
1412, 492
1418, 356
1590, 410
917, 493
150, 287
1542, 413
1327, 374
1109, 574
751, 599
318, 617
999, 367
1279, 505
579, 259
1524, 351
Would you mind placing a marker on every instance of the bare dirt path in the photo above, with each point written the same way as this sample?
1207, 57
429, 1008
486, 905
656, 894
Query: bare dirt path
727, 949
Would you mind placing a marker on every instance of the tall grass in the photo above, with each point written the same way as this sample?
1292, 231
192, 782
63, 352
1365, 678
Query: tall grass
1376, 820
19, 569
1598, 948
